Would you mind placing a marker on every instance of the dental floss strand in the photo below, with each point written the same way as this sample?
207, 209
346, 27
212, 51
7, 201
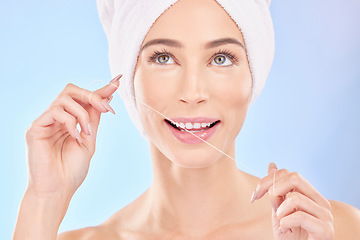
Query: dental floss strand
167, 118
227, 155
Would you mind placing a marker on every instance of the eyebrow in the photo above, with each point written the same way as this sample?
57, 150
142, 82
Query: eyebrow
177, 44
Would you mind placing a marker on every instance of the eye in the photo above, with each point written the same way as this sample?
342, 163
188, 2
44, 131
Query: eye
222, 60
225, 58
163, 59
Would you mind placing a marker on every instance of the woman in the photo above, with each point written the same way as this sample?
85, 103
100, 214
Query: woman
199, 80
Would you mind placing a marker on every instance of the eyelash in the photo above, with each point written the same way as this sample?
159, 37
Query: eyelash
232, 56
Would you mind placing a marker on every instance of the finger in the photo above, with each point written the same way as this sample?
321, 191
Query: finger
275, 223
110, 88
315, 227
275, 200
265, 183
295, 182
272, 168
298, 202
94, 116
110, 98
57, 114
85, 97
76, 110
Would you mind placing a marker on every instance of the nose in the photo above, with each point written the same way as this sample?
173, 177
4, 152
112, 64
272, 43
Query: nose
193, 87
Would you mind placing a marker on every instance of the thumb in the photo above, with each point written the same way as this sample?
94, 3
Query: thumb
110, 88
272, 168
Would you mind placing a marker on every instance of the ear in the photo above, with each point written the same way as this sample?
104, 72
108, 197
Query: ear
106, 11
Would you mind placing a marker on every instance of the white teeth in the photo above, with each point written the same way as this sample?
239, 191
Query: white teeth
189, 125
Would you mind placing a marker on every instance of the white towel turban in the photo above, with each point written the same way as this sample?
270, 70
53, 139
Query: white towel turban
126, 23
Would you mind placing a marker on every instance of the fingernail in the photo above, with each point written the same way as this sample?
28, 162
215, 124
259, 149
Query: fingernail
91, 132
116, 78
107, 106
253, 197
272, 166
77, 135
110, 98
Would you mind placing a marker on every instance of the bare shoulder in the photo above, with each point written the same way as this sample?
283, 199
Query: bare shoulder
88, 233
346, 220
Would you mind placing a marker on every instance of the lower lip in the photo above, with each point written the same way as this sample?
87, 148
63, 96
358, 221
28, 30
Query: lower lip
189, 138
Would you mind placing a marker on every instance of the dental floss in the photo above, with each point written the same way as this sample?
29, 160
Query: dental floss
137, 100
227, 155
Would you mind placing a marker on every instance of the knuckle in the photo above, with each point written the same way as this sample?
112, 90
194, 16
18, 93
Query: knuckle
294, 178
69, 88
69, 85
60, 100
282, 172
300, 216
56, 108
295, 199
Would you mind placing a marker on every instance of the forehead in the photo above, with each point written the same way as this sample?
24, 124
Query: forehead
194, 22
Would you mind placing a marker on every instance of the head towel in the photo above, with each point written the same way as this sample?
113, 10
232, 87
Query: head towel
126, 23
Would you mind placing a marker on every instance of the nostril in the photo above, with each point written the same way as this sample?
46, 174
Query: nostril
196, 101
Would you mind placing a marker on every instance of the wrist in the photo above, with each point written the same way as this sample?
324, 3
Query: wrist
40, 215
55, 196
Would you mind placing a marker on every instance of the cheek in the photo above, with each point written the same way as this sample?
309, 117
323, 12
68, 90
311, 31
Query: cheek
153, 88
234, 89
235, 92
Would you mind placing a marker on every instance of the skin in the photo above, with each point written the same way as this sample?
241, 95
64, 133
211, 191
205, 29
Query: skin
197, 193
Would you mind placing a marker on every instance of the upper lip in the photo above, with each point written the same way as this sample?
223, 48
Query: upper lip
193, 120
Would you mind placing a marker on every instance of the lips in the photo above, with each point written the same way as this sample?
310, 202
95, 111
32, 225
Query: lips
193, 130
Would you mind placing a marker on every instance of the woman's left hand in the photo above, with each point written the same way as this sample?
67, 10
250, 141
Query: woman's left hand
299, 211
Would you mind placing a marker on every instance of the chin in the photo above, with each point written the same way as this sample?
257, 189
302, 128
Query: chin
201, 157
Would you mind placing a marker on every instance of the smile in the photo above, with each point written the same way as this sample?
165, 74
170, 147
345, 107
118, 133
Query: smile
192, 127
192, 130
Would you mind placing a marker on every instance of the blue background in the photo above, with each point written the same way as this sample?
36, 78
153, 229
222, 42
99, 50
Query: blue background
307, 119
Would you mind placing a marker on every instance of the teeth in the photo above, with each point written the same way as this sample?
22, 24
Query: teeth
190, 126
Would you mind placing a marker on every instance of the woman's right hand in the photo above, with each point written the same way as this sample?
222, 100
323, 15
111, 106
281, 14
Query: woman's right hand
58, 155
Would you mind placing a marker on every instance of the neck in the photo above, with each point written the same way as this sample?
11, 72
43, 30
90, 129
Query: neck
198, 201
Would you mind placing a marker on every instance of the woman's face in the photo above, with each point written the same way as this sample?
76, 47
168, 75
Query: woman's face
193, 69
